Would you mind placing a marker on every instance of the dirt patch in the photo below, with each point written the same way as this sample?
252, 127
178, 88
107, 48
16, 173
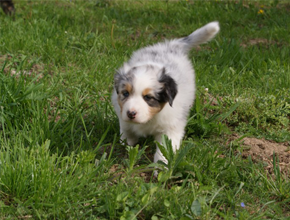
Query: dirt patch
283, 6
136, 35
209, 99
31, 69
260, 42
262, 150
117, 172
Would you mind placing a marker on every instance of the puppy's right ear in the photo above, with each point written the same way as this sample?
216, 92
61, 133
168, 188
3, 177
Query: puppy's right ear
169, 90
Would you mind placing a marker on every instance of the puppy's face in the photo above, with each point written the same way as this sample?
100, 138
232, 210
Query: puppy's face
143, 91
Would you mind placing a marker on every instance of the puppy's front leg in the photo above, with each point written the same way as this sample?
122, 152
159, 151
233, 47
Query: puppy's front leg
175, 141
159, 156
130, 138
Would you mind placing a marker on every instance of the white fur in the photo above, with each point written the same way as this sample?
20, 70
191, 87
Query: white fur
171, 120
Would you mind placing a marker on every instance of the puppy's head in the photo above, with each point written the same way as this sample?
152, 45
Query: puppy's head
143, 91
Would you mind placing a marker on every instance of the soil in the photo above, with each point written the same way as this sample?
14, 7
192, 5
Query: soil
263, 150
117, 170
260, 42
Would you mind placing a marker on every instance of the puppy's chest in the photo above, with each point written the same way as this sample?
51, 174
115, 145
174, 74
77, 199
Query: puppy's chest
151, 128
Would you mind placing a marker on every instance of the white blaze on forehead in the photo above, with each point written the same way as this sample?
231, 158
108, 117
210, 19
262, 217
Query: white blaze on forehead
145, 77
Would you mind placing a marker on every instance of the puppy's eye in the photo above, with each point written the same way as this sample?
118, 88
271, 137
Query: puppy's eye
125, 94
148, 97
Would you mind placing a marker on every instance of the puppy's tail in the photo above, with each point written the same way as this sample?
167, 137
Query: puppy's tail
201, 35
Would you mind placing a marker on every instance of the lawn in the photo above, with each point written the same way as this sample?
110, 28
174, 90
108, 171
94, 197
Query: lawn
60, 154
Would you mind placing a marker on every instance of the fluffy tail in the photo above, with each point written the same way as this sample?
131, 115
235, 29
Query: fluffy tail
202, 35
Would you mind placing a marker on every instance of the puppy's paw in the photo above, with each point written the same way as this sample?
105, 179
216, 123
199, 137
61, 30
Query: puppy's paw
159, 157
128, 140
155, 174
132, 141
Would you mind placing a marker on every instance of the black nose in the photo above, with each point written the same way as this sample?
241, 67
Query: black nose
131, 114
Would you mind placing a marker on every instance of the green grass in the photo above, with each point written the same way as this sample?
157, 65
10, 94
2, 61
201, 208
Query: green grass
60, 156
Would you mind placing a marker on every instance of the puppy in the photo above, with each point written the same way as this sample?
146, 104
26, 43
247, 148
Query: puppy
155, 89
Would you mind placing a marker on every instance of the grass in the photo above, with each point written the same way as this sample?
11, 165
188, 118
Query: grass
60, 156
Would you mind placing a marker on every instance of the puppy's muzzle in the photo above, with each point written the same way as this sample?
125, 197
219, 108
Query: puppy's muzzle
131, 114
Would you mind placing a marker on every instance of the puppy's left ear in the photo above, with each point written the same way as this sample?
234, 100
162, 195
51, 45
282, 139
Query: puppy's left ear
169, 90
117, 79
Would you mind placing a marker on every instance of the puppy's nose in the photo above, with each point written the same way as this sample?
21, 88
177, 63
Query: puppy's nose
131, 114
